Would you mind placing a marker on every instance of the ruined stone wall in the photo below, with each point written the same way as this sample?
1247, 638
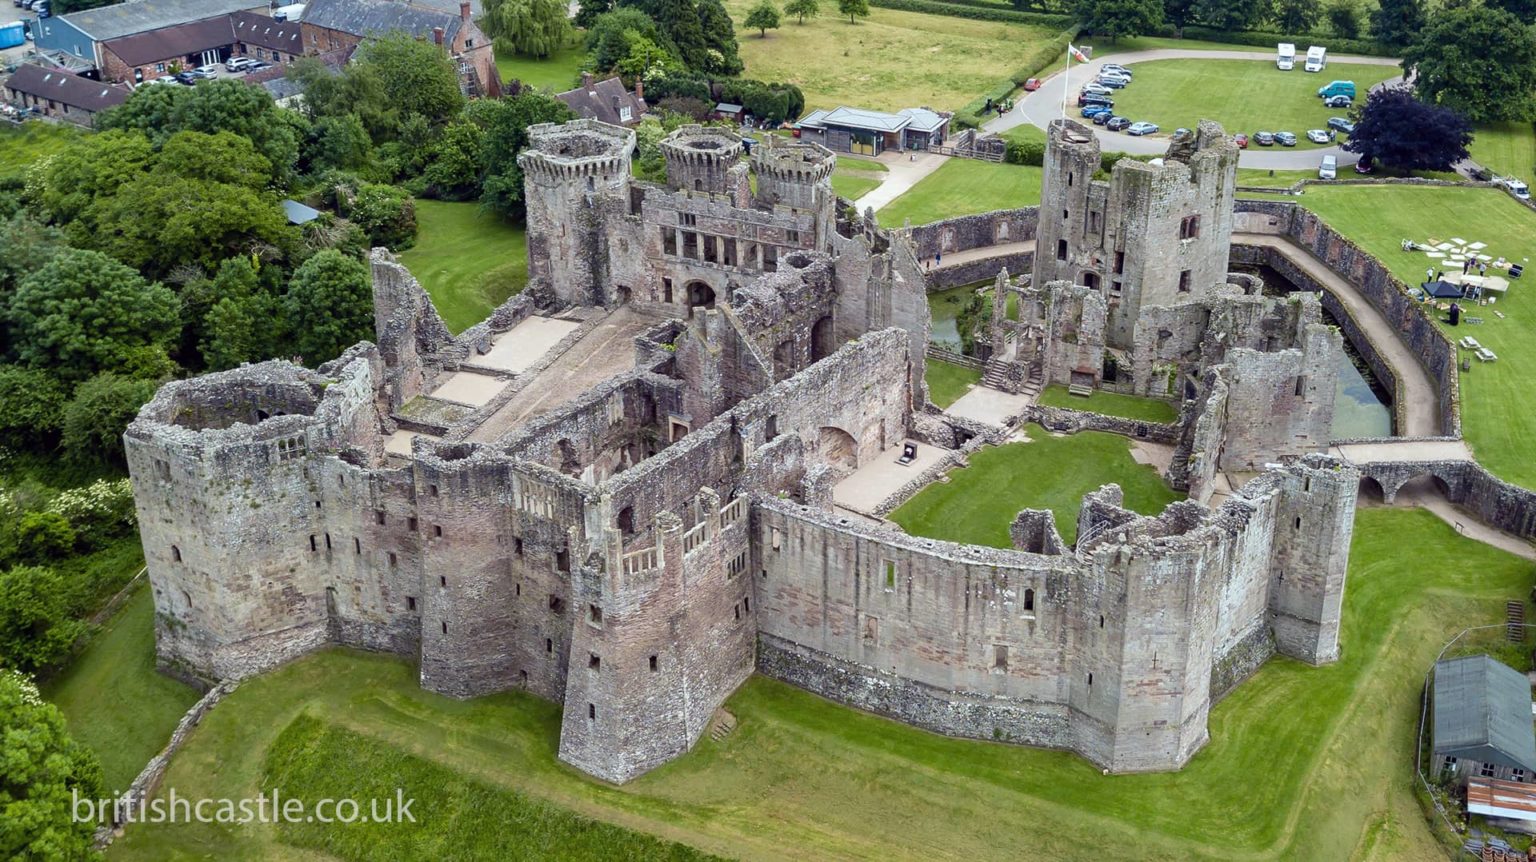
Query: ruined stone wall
406, 326
974, 231
1280, 404
616, 425
1314, 521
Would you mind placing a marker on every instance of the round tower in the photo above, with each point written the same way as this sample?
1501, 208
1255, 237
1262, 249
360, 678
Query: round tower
795, 174
567, 168
703, 159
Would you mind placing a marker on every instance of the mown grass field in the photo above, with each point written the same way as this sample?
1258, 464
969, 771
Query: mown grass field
947, 381
1498, 402
1051, 472
1303, 763
961, 187
853, 178
1243, 95
468, 259
888, 61
1508, 149
1111, 404
559, 71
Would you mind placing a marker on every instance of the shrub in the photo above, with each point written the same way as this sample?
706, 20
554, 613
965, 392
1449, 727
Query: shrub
44, 536
387, 214
99, 511
95, 419
31, 407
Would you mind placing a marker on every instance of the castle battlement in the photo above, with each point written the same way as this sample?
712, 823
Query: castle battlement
573, 151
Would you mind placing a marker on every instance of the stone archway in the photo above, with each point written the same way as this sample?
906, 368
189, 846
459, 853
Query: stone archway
821, 339
700, 295
1371, 490
837, 449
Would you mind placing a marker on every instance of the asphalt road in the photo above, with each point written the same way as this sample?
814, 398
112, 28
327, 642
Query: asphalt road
1043, 105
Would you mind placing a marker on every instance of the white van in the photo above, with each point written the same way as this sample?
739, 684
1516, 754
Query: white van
1285, 57
1317, 58
1329, 169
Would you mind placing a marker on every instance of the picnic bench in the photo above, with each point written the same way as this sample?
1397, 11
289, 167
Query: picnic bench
1486, 355
1469, 343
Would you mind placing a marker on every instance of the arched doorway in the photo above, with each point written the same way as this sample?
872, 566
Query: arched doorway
1371, 492
821, 339
700, 295
1091, 280
837, 449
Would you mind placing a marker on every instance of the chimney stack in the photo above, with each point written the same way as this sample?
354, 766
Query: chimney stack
586, 80
464, 10
639, 90
437, 35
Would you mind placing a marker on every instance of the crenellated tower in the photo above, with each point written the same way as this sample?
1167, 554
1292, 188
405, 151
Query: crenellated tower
796, 174
707, 159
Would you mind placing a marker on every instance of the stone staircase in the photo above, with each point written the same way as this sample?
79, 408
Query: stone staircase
1514, 621
1035, 383
995, 376
721, 725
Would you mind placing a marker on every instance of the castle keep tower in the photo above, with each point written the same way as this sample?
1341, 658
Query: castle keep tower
706, 159
795, 175
570, 173
1157, 234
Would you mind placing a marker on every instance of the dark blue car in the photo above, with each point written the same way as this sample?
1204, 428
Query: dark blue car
1096, 109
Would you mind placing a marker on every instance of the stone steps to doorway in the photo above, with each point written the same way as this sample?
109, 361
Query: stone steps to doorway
721, 725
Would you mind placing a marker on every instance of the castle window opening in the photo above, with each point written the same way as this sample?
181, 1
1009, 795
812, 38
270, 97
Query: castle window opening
1298, 522
1091, 280
690, 245
746, 604
1101, 621
653, 664
163, 468
668, 244
437, 530
771, 429
445, 627
1069, 179
517, 588
776, 538
678, 430
357, 545
411, 524
1065, 215
688, 219
1029, 600
890, 575
1184, 281
666, 283
549, 645
872, 629
378, 516
327, 541
1119, 263
410, 603
517, 547
700, 295
711, 249
432, 489
442, 581
595, 615
626, 520
312, 545
592, 707
1061, 249
393, 560
522, 678
1189, 228
563, 560
556, 604
1090, 678
1301, 386
737, 610
1000, 657
1093, 221
1115, 288
594, 661
176, 553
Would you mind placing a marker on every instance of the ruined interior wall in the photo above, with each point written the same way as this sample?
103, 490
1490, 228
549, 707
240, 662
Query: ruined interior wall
964, 233
1281, 404
407, 328
1074, 333
617, 424
1315, 520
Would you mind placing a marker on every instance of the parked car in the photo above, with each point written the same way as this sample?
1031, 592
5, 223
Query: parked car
239, 64
1111, 79
1285, 139
1337, 88
1329, 169
1365, 165
1096, 89
1032, 85
209, 71
1102, 117
163, 79
1092, 111
1341, 124
1264, 139
1123, 71
1516, 187
1339, 101
188, 77
1319, 136
1086, 99
257, 64
1241, 140
1118, 124
1141, 128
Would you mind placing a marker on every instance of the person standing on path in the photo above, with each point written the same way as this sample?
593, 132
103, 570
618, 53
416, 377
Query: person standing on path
1466, 266
1429, 274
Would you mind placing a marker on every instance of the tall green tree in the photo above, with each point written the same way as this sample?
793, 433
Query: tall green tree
1296, 16
329, 306
763, 17
36, 628
1343, 18
609, 38
98, 414
1525, 10
213, 107
852, 8
84, 312
1116, 18
1477, 61
719, 39
588, 10
338, 143
802, 9
1232, 14
387, 214
31, 407
506, 123
1396, 23
416, 76
41, 770
535, 28
63, 186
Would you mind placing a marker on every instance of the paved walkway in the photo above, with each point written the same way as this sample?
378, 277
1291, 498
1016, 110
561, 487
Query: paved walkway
1405, 450
866, 488
955, 258
988, 405
1043, 105
903, 172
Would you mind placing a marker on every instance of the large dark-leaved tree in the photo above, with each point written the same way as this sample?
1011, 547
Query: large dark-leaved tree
1396, 129
41, 770
1477, 60
1396, 23
1116, 18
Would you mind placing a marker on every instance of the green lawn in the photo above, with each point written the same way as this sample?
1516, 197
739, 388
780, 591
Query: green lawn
888, 61
559, 72
1498, 403
1111, 404
961, 187
1272, 179
947, 381
469, 260
1304, 763
1242, 95
1050, 472
22, 145
114, 700
1506, 148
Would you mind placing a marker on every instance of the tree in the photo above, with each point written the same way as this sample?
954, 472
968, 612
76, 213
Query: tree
66, 184
338, 143
238, 329
1476, 61
43, 537
31, 407
387, 214
1396, 23
1116, 18
95, 419
1178, 12
1232, 14
84, 312
588, 12
1525, 10
1296, 16
506, 123
1344, 18
25, 245
535, 28
415, 76
213, 107
719, 39
36, 629
763, 17
1398, 130
42, 770
802, 9
853, 8
454, 170
329, 306
611, 35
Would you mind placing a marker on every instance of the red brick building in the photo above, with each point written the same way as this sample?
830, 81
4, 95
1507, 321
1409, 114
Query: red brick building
329, 25
60, 94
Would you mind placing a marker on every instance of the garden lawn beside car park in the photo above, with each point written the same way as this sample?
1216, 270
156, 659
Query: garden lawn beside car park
1243, 95
962, 187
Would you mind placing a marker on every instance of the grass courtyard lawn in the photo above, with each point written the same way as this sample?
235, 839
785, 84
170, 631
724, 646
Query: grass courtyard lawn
888, 61
1506, 148
1272, 179
1111, 404
854, 178
978, 502
948, 381
468, 259
1242, 95
1303, 762
1498, 402
961, 187
113, 699
22, 145
559, 71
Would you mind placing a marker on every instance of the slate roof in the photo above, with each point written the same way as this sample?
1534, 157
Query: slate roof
142, 16
71, 90
923, 120
261, 31
813, 120
601, 101
169, 43
1483, 712
378, 17
873, 121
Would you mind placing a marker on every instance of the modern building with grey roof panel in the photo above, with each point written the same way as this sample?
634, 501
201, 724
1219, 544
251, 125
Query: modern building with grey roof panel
379, 17
141, 16
1483, 713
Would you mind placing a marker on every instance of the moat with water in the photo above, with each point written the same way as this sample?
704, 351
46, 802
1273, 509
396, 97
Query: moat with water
1362, 409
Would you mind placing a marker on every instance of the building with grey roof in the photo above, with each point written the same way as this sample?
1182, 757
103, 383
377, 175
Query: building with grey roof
607, 101
870, 133
59, 94
1483, 725
81, 34
330, 25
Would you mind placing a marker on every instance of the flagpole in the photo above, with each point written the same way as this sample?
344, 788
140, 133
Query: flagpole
1066, 82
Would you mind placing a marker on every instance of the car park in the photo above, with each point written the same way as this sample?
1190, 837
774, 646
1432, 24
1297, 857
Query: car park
1285, 139
1341, 124
1096, 89
1339, 101
1329, 169
209, 71
1141, 128
189, 78
1116, 68
1102, 117
1319, 136
1337, 88
1264, 139
163, 79
1118, 124
1032, 85
1086, 99
1092, 111
1241, 140
1113, 82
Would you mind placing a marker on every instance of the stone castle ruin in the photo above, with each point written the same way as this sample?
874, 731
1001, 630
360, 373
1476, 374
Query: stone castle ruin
618, 491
